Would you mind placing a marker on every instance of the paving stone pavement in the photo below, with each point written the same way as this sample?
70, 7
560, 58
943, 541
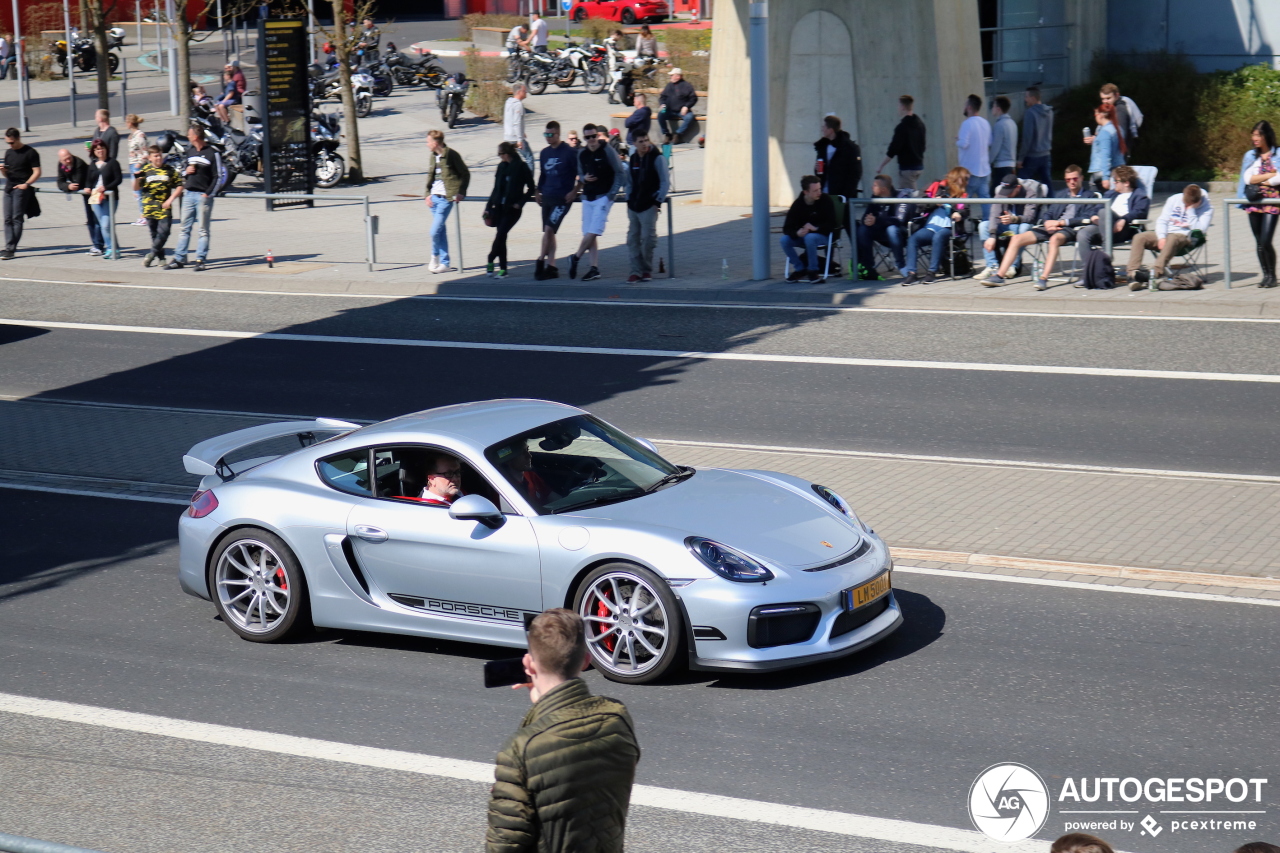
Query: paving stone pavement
1158, 522
323, 249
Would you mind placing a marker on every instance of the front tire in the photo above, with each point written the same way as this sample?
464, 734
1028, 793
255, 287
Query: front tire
454, 109
635, 633
114, 63
258, 586
596, 79
364, 104
329, 170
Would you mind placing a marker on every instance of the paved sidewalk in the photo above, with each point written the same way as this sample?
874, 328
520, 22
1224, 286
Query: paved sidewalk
323, 249
1220, 527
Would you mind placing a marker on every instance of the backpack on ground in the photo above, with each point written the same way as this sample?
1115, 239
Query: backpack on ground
1098, 272
959, 249
1183, 281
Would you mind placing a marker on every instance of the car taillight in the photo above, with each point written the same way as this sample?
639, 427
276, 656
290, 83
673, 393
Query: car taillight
202, 503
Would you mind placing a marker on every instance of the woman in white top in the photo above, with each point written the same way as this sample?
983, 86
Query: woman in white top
137, 155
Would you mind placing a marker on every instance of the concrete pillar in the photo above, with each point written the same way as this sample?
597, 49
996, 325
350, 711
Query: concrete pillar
848, 57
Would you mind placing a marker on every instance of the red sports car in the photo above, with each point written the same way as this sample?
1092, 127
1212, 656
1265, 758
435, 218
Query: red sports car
624, 11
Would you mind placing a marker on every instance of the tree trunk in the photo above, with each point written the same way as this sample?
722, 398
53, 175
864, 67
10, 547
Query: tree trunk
342, 47
98, 18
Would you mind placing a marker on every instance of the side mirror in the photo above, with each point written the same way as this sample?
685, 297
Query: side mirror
646, 444
477, 508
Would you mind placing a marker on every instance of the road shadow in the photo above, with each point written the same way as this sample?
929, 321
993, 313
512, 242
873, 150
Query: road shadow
13, 334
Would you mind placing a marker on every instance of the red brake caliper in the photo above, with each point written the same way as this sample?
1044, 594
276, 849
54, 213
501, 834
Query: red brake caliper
603, 612
282, 579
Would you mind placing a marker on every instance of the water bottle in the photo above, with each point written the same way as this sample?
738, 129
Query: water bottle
724, 268
1036, 269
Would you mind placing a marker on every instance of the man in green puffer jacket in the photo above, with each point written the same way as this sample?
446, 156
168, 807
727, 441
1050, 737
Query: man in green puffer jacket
564, 779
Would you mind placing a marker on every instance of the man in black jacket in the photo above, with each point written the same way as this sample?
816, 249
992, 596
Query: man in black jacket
21, 169
885, 224
73, 179
809, 224
839, 160
204, 177
676, 104
908, 145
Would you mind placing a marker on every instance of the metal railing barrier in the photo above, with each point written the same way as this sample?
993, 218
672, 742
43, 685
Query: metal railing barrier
18, 844
1227, 204
370, 221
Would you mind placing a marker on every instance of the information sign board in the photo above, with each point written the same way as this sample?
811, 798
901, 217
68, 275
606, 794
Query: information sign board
286, 86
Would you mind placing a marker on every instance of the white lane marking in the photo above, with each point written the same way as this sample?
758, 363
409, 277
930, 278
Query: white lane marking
663, 354
969, 460
1099, 587
844, 309
688, 802
90, 493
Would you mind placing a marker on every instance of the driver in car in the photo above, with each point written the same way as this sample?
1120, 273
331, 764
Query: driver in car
518, 467
444, 478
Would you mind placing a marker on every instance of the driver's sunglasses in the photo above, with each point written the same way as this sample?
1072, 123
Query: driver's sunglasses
452, 474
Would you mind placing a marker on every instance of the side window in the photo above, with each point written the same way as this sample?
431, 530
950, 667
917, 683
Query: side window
347, 472
401, 474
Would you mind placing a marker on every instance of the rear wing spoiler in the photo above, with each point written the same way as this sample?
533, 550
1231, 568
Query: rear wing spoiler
208, 456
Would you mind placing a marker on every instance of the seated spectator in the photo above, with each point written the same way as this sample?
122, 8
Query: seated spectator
809, 223
1076, 207
885, 224
675, 105
1008, 219
639, 121
230, 97
1182, 214
939, 226
1129, 201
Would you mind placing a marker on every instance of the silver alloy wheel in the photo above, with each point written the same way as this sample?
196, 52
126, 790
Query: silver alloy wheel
253, 586
627, 624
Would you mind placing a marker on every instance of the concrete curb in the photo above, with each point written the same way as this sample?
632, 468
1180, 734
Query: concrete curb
1125, 572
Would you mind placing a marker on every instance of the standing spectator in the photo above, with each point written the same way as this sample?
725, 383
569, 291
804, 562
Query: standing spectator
639, 121
646, 42
1004, 140
204, 177
370, 38
107, 134
518, 38
563, 781
974, 145
601, 175
513, 123
676, 104
1037, 139
137, 156
73, 179
1128, 200
160, 185
1076, 208
885, 224
908, 144
557, 189
1182, 214
21, 169
573, 141
1108, 147
447, 181
105, 177
1259, 169
6, 56
512, 187
538, 33
1007, 219
939, 226
1128, 117
809, 225
839, 160
646, 192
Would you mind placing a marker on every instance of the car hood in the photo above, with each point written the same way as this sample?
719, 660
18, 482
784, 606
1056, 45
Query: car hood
762, 518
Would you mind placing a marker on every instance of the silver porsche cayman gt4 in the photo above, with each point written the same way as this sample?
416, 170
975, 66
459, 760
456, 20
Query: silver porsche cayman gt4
464, 522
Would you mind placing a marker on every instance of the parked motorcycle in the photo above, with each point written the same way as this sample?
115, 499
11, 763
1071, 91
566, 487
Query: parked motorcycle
626, 68
452, 97
582, 60
325, 138
409, 70
84, 53
383, 80
326, 84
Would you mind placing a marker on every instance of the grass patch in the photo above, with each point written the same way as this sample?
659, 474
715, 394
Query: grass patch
690, 51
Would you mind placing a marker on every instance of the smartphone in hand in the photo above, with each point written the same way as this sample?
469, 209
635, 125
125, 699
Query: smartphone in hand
505, 673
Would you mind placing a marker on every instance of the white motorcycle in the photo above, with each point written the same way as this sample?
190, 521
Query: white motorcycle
626, 68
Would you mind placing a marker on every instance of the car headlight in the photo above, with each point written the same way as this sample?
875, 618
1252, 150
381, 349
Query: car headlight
842, 505
726, 562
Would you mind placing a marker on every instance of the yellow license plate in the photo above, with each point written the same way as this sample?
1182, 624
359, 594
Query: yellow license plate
867, 593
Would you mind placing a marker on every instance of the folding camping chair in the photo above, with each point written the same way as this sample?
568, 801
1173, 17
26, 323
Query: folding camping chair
835, 242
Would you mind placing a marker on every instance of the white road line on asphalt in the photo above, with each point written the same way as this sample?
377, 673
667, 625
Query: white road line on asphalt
847, 309
662, 354
1096, 587
90, 493
969, 460
688, 802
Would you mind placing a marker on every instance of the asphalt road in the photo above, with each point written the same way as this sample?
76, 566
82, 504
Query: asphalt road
1070, 682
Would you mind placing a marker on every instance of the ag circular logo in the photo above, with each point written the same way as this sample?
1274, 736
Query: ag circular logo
1009, 802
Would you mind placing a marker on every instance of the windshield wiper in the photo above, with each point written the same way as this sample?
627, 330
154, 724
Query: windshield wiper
684, 473
600, 501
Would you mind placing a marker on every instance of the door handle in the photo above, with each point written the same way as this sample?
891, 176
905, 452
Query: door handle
370, 533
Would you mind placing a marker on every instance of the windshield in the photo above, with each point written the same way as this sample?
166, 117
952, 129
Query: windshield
580, 462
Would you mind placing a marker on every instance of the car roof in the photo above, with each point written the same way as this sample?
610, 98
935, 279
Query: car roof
479, 424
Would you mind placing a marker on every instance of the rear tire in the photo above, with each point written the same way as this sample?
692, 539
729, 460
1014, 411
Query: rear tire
536, 86
514, 67
628, 17
113, 63
635, 632
579, 14
595, 79
258, 586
